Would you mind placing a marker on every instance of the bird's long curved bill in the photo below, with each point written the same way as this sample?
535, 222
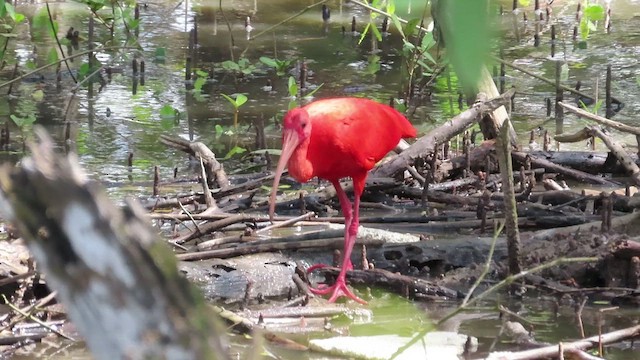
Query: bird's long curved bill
290, 141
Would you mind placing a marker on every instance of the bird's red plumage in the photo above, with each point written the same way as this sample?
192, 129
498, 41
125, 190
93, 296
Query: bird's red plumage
333, 139
348, 137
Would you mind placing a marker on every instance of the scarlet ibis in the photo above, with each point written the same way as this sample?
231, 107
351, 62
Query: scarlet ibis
334, 139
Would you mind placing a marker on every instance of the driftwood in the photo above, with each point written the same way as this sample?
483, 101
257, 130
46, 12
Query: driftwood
429, 142
522, 157
120, 286
215, 170
552, 351
616, 149
604, 121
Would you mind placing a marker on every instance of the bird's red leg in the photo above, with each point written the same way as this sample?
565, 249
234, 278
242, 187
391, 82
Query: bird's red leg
350, 235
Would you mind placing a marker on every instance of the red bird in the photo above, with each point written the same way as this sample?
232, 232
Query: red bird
333, 139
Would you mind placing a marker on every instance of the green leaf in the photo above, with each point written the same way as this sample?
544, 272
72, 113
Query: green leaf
40, 20
218, 129
376, 32
594, 12
309, 95
293, 87
427, 41
235, 150
198, 84
38, 95
19, 18
398, 25
373, 65
410, 28
524, 2
167, 112
52, 56
269, 61
391, 7
292, 105
467, 37
364, 33
160, 55
240, 99
584, 29
83, 70
229, 99
25, 121
202, 73
230, 65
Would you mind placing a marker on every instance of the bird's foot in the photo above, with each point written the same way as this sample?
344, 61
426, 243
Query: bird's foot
338, 289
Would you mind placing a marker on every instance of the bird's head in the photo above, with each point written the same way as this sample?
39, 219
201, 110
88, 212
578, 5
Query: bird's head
296, 129
296, 122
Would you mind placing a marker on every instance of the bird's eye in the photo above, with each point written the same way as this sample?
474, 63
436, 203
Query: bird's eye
303, 125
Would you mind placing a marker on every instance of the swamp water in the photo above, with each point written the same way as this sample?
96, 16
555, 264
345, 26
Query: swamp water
106, 126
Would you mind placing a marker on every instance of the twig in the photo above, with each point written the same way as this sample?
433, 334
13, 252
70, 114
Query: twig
512, 278
55, 35
82, 53
286, 222
487, 265
35, 319
304, 10
544, 79
371, 8
597, 118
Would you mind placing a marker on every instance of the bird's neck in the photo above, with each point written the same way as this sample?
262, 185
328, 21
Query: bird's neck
299, 165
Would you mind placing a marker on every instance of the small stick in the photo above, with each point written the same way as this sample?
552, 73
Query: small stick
559, 96
286, 222
156, 180
304, 10
609, 110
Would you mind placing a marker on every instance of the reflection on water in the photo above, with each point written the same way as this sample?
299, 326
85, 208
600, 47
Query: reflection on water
109, 125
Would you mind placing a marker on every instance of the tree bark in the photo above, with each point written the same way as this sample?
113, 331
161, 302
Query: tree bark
120, 286
510, 209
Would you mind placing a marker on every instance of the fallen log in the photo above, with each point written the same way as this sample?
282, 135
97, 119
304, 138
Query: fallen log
616, 149
567, 172
428, 143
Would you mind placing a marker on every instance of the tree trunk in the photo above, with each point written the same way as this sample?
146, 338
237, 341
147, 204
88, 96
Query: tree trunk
120, 286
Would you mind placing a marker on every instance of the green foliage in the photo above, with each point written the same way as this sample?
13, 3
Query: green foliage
94, 5
292, 87
40, 25
592, 13
160, 55
23, 122
594, 109
467, 36
169, 112
241, 67
52, 56
373, 65
6, 9
234, 151
236, 102
239, 100
280, 66
371, 25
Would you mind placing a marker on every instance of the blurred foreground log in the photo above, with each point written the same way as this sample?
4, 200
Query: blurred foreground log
120, 286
